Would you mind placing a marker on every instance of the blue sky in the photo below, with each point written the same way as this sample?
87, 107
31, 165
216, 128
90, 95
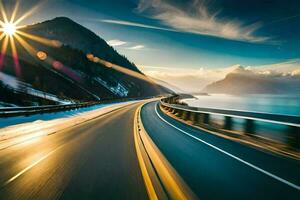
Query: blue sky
186, 34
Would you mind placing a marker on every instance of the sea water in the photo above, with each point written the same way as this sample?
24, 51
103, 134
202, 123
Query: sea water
276, 104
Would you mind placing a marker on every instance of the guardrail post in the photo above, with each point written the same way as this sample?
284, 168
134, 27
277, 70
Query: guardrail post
174, 111
186, 115
228, 123
193, 117
179, 113
249, 126
206, 117
167, 108
294, 137
200, 118
197, 118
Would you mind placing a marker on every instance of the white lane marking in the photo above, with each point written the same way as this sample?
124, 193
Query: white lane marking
228, 154
53, 151
30, 166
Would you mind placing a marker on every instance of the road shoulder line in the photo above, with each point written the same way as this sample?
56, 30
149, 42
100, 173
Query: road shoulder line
230, 155
165, 180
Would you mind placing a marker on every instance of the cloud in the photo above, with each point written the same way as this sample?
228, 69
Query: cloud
116, 42
198, 19
296, 72
129, 23
136, 47
188, 80
194, 80
288, 68
282, 67
284, 19
247, 36
203, 73
120, 43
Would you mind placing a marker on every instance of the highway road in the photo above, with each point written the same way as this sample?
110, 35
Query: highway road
218, 168
98, 160
95, 160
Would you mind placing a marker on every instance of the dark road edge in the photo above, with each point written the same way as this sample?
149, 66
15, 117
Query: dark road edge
161, 179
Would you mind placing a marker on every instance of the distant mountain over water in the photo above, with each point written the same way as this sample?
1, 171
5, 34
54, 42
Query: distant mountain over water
246, 81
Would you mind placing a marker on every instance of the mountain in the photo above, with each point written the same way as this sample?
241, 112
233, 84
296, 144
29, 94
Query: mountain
245, 81
60, 61
78, 37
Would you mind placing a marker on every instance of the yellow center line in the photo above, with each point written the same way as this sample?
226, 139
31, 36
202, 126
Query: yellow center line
175, 186
149, 186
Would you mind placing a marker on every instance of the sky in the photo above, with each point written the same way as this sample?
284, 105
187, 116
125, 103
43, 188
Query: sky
167, 37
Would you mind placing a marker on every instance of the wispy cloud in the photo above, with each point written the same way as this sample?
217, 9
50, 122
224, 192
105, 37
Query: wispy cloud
198, 19
125, 45
116, 42
136, 47
284, 19
129, 23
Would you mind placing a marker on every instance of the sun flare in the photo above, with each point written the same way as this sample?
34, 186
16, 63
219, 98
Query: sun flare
9, 29
11, 34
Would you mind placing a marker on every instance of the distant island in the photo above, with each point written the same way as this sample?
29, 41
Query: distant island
244, 81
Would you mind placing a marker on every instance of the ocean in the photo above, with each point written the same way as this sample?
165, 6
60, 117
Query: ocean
276, 104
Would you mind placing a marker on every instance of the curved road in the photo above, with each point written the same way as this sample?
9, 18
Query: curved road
217, 168
98, 160
95, 160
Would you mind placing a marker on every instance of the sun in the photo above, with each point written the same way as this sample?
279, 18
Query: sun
9, 29
11, 33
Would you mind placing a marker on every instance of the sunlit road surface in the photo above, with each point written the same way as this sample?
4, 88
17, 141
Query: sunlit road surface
94, 160
97, 159
217, 168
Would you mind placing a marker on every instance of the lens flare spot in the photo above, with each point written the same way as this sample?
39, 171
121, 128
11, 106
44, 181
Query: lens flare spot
90, 56
57, 65
41, 55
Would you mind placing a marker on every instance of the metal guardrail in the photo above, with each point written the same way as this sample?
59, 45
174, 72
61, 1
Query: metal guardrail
26, 111
202, 116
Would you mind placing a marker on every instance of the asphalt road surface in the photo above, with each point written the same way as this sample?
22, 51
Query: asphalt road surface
98, 160
95, 160
217, 168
